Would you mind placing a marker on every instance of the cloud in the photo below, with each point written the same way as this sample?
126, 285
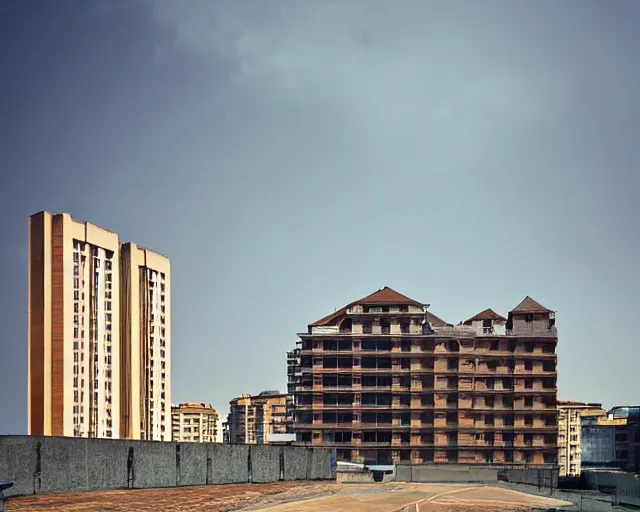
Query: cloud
395, 69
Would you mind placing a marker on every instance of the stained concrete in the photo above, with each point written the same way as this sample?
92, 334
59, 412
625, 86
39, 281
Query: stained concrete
52, 464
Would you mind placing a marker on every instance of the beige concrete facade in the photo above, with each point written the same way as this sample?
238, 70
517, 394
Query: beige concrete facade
252, 418
195, 423
570, 434
76, 385
146, 344
73, 371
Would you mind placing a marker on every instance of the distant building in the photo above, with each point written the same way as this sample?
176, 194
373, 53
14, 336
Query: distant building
195, 422
252, 418
570, 435
627, 436
612, 439
293, 378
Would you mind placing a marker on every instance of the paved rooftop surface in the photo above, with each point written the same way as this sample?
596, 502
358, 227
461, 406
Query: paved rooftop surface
287, 497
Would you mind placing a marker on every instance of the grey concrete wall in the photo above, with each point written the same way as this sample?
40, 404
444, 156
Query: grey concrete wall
53, 464
623, 487
539, 477
442, 473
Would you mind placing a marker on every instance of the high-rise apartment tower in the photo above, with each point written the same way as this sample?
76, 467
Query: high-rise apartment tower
86, 366
145, 328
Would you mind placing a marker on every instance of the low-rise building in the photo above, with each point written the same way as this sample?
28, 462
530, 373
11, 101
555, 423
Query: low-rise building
570, 435
196, 423
252, 418
611, 439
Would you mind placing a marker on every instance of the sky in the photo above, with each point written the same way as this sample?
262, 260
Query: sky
292, 156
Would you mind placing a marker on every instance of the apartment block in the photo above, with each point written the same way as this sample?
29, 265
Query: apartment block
80, 349
73, 318
195, 423
383, 380
145, 344
570, 435
293, 377
252, 418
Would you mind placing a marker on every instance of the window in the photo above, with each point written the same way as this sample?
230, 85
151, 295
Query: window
528, 365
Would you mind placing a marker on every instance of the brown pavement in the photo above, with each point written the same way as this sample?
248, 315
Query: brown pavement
391, 497
211, 498
288, 497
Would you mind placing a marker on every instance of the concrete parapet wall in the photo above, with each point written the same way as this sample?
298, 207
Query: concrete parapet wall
543, 477
623, 487
57, 464
424, 473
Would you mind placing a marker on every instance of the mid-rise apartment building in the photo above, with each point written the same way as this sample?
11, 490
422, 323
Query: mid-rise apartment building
570, 435
195, 423
383, 380
82, 372
252, 418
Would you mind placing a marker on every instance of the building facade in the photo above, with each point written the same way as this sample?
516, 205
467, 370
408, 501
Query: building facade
252, 418
570, 435
195, 423
77, 384
383, 381
293, 377
146, 344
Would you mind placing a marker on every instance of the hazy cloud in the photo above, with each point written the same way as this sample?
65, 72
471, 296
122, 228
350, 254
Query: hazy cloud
413, 76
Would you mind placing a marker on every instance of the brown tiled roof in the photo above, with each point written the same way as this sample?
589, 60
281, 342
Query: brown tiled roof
387, 296
487, 314
528, 305
435, 321
384, 296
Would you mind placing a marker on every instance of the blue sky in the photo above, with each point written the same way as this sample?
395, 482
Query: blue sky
290, 157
